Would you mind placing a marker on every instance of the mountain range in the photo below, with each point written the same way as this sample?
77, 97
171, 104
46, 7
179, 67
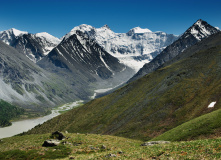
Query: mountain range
134, 48
34, 46
69, 70
155, 103
81, 56
78, 65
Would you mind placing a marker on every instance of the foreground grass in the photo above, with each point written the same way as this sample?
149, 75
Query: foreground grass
89, 146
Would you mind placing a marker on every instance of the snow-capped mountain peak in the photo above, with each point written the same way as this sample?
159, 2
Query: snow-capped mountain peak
34, 46
200, 29
105, 27
198, 22
48, 37
8, 35
83, 28
194, 34
17, 32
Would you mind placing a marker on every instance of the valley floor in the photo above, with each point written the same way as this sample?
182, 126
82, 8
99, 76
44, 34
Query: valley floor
91, 146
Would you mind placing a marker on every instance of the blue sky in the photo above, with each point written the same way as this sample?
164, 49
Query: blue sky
58, 17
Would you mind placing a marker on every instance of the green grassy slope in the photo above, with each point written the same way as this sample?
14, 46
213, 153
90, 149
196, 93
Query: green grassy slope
8, 112
151, 105
206, 126
89, 146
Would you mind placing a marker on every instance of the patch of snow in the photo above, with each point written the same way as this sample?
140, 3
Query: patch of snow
93, 97
47, 50
101, 58
217, 28
62, 54
211, 105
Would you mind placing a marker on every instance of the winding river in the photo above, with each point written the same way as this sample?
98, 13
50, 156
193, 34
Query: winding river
24, 125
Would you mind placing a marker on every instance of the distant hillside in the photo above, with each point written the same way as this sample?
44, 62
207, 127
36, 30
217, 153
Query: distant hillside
8, 112
153, 104
23, 83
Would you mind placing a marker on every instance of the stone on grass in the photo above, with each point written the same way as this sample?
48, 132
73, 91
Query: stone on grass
51, 143
57, 135
154, 143
110, 155
103, 147
65, 142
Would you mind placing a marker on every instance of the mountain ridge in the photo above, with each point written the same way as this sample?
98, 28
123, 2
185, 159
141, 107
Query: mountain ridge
81, 55
138, 46
130, 47
198, 31
34, 46
25, 84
